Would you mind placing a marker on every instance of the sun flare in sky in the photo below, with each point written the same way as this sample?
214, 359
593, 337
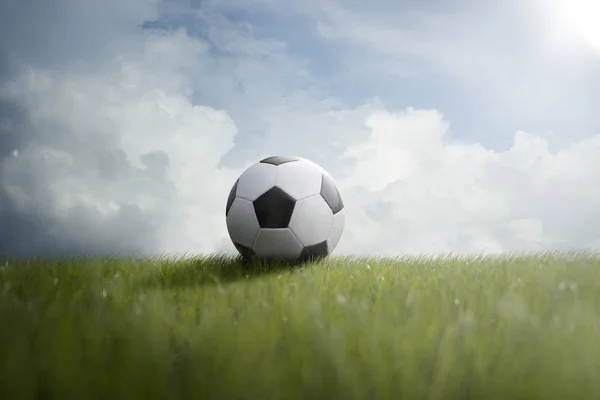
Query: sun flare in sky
582, 17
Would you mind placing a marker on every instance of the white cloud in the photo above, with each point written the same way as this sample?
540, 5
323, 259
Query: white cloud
413, 190
125, 137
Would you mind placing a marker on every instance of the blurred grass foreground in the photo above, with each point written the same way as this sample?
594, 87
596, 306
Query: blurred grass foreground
502, 327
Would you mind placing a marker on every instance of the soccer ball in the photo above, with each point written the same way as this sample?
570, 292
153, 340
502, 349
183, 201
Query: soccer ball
285, 208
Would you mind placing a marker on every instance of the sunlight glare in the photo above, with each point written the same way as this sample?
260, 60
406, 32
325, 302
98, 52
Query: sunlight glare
583, 16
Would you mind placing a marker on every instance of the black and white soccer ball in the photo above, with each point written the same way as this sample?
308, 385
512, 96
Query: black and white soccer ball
285, 208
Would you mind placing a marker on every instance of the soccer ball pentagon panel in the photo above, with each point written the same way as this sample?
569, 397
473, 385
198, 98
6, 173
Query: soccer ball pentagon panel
285, 208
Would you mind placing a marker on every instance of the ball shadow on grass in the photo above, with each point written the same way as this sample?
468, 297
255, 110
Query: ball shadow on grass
217, 270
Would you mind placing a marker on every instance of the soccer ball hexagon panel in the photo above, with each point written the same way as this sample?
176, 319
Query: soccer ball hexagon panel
287, 208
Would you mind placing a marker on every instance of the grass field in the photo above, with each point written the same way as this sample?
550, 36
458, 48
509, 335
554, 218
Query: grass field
513, 327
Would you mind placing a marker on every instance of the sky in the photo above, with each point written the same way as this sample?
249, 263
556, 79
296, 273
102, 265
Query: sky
463, 126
